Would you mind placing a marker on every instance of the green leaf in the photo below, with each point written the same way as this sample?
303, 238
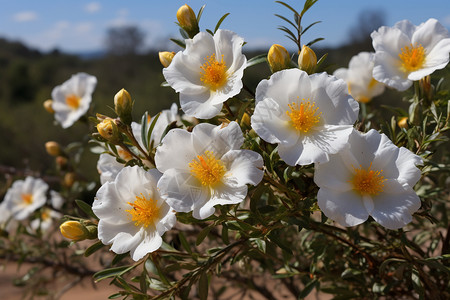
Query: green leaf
86, 208
289, 7
152, 126
220, 21
112, 272
184, 242
310, 25
202, 235
287, 20
179, 43
314, 41
200, 12
225, 238
308, 288
290, 33
93, 248
257, 60
210, 32
274, 237
144, 125
203, 286
118, 258
308, 4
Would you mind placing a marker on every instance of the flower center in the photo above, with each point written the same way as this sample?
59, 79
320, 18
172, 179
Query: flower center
73, 101
27, 199
412, 58
144, 212
214, 73
207, 168
304, 116
368, 182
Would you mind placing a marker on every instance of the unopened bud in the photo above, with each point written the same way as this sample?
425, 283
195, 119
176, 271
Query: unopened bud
109, 131
69, 179
245, 121
75, 231
123, 106
53, 148
403, 122
61, 161
427, 88
187, 20
166, 57
48, 105
278, 58
307, 60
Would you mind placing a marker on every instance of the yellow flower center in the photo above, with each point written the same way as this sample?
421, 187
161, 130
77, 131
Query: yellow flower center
144, 212
412, 58
207, 168
214, 73
304, 116
27, 199
73, 101
368, 182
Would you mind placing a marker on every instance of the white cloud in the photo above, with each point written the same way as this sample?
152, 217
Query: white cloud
25, 16
83, 28
92, 7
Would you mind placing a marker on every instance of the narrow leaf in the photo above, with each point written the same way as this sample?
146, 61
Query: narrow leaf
144, 126
220, 21
93, 248
285, 29
287, 20
314, 41
152, 126
288, 6
309, 26
112, 272
202, 235
86, 208
308, 4
200, 12
179, 43
257, 60
184, 242
203, 287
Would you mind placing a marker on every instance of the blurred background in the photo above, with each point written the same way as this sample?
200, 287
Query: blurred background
42, 43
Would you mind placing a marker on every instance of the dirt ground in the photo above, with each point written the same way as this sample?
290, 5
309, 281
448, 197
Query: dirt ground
87, 290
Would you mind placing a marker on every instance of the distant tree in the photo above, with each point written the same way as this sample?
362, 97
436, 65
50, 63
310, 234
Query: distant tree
124, 40
368, 21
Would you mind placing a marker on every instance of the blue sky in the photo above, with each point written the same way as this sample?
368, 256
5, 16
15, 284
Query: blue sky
75, 26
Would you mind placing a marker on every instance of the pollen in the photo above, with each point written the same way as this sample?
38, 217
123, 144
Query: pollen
367, 181
304, 116
144, 212
214, 73
207, 169
73, 101
27, 199
412, 58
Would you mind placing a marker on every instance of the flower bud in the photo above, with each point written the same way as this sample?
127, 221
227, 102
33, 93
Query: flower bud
109, 131
278, 58
403, 122
427, 88
307, 60
69, 179
123, 106
187, 20
166, 57
75, 231
48, 105
53, 148
245, 120
61, 161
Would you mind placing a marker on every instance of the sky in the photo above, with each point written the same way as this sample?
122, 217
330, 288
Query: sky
81, 26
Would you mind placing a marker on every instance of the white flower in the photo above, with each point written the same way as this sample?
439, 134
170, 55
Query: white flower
71, 99
45, 220
206, 167
25, 196
133, 216
361, 85
406, 53
373, 177
109, 167
208, 72
309, 117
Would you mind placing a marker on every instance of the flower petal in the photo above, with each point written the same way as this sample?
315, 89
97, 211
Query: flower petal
245, 166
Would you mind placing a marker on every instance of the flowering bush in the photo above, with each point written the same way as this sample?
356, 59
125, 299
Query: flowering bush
296, 181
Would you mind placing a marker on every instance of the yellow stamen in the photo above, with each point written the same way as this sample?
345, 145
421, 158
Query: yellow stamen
368, 182
207, 168
304, 116
412, 58
73, 101
144, 212
214, 73
27, 199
